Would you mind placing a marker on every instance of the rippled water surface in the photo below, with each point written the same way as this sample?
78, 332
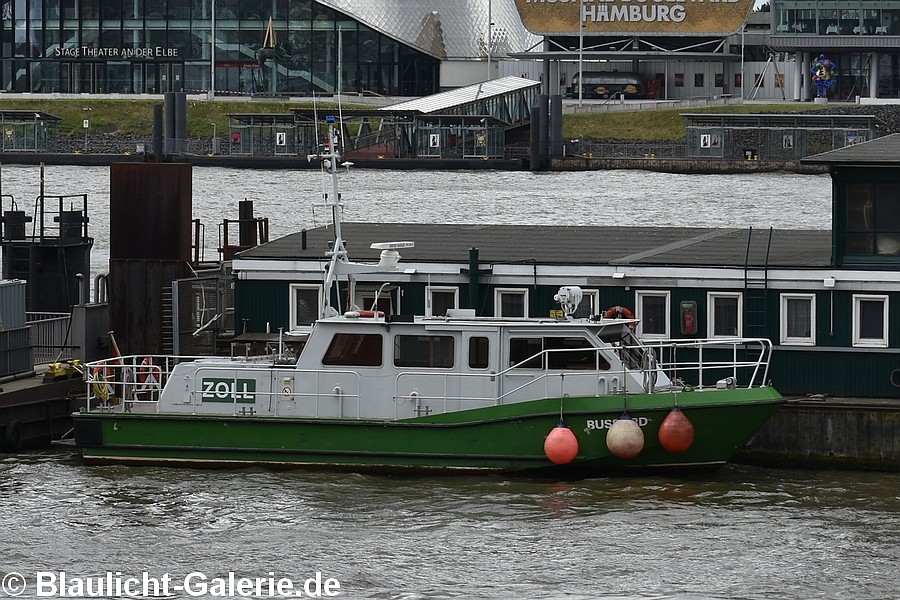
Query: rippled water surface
741, 533
625, 197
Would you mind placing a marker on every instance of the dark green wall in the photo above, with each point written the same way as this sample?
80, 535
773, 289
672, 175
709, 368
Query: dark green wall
261, 302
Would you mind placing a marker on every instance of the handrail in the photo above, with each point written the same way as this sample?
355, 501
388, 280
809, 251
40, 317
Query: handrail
656, 366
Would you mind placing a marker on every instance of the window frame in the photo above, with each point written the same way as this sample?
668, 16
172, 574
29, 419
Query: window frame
364, 297
498, 305
430, 289
860, 342
592, 297
428, 346
711, 300
292, 304
638, 305
784, 337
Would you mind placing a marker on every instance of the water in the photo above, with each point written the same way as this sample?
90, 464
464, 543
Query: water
741, 533
625, 197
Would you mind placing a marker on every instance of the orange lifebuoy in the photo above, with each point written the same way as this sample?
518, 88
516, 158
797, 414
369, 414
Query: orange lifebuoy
619, 312
371, 313
144, 371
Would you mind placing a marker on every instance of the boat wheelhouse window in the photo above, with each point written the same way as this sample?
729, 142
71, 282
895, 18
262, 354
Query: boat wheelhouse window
479, 348
873, 219
436, 351
798, 317
522, 349
305, 303
724, 316
573, 353
653, 312
354, 350
870, 320
561, 353
439, 299
511, 302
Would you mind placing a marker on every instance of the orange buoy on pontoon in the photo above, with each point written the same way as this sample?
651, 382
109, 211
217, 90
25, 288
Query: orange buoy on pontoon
676, 432
625, 438
561, 445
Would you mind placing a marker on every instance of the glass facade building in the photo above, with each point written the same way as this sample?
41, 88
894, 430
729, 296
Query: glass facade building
259, 47
862, 37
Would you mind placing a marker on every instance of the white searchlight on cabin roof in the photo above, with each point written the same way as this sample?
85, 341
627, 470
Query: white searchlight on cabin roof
569, 297
389, 255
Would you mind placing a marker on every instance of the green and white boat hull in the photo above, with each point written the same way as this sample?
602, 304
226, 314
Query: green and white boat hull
502, 439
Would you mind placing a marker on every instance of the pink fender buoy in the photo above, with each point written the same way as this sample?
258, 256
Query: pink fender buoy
676, 433
561, 445
625, 438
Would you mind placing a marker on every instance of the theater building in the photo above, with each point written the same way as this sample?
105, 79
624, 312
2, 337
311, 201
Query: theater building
251, 47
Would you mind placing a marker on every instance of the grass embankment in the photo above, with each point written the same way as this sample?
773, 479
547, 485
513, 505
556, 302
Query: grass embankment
664, 125
135, 117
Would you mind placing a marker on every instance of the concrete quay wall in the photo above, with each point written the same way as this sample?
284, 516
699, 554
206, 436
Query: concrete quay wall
830, 434
683, 165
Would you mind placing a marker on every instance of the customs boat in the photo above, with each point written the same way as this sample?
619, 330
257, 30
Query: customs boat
559, 397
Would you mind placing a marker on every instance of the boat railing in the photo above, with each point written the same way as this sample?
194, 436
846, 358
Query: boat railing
116, 384
322, 393
646, 368
714, 362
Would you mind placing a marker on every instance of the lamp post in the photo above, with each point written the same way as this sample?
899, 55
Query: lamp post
489, 31
580, 49
212, 50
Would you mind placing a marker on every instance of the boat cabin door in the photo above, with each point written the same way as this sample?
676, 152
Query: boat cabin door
481, 350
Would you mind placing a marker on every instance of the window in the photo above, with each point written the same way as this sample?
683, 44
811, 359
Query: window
798, 318
306, 302
521, 349
354, 350
479, 356
870, 319
365, 298
572, 353
590, 304
653, 311
511, 302
563, 353
724, 316
424, 351
873, 219
439, 299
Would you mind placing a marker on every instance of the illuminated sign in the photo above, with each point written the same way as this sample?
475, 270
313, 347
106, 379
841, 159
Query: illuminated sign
562, 17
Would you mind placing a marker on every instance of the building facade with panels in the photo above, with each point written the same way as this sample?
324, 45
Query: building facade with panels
263, 47
862, 37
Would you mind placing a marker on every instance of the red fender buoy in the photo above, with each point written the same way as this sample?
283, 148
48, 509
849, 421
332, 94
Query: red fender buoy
625, 438
561, 445
676, 433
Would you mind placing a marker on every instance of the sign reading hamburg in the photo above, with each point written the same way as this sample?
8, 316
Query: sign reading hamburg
562, 17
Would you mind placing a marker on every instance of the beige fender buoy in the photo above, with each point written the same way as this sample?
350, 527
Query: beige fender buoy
625, 438
561, 445
676, 432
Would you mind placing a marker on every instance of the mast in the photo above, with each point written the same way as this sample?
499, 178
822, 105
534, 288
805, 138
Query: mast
338, 252
339, 263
